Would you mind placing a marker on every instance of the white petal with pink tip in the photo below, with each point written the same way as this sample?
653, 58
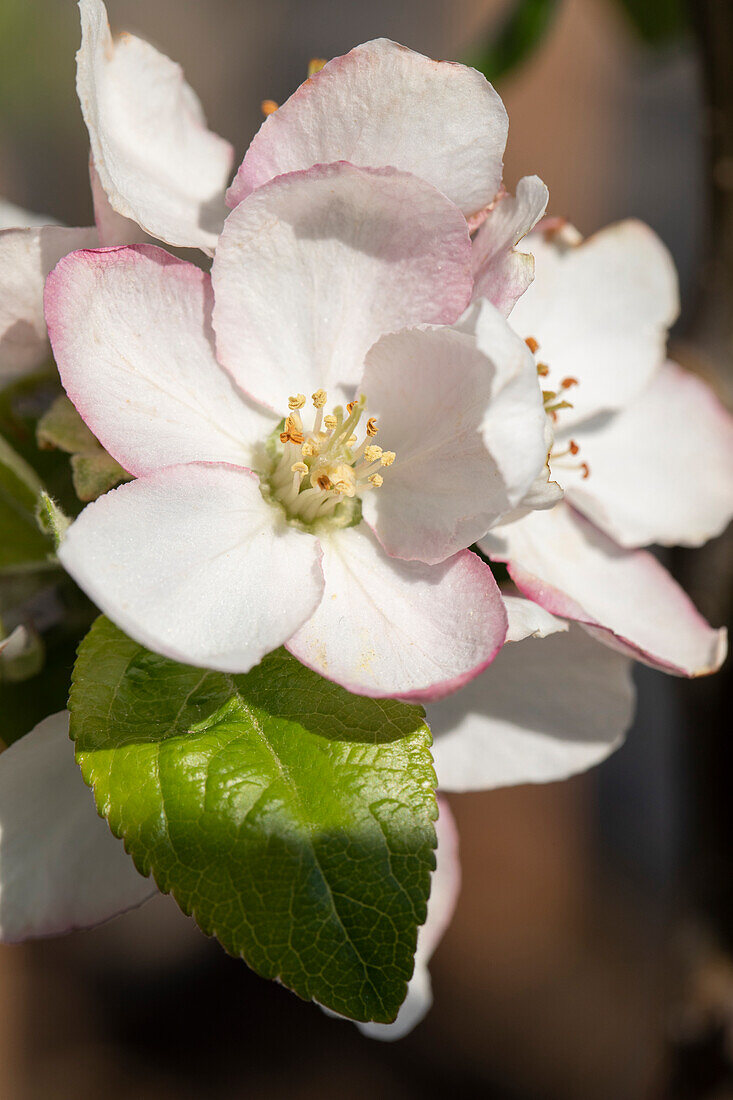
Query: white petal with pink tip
625, 597
131, 332
503, 271
157, 162
395, 628
312, 269
381, 105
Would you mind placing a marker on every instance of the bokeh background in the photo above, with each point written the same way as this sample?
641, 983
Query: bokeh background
589, 956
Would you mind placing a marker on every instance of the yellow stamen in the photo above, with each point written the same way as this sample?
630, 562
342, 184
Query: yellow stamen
330, 422
388, 458
372, 453
371, 427
268, 107
297, 401
319, 398
376, 480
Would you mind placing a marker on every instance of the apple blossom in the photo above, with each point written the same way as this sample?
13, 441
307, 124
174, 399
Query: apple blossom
642, 450
243, 531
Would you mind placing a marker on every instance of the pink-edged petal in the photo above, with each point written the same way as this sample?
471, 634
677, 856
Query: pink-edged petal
14, 217
458, 411
193, 563
384, 105
112, 228
387, 627
661, 470
502, 272
156, 160
600, 310
60, 866
547, 708
131, 333
528, 620
625, 597
444, 889
314, 267
26, 257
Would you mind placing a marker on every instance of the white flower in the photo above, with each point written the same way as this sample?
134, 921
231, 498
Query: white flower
240, 534
644, 453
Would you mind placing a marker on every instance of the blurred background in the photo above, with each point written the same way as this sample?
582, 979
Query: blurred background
589, 956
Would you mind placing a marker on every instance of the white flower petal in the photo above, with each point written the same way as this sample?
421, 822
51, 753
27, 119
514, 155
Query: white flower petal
661, 470
314, 267
546, 709
624, 597
384, 105
131, 332
461, 420
387, 627
528, 620
60, 866
600, 311
444, 888
113, 229
14, 217
26, 257
502, 272
193, 563
157, 162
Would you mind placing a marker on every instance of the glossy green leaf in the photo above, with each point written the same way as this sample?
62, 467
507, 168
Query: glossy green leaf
294, 820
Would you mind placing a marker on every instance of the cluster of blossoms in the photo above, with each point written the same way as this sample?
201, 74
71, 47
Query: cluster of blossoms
391, 362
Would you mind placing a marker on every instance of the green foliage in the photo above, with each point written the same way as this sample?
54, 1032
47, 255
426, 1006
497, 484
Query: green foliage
21, 542
519, 36
294, 820
93, 471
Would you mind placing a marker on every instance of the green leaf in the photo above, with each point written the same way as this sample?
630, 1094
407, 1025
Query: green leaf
21, 541
520, 34
294, 820
93, 470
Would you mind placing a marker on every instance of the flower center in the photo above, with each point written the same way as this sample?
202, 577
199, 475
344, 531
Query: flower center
554, 402
319, 473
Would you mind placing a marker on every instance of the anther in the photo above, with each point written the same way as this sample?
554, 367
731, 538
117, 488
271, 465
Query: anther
543, 370
315, 65
351, 441
388, 458
323, 482
319, 398
531, 344
291, 434
297, 401
309, 449
330, 422
268, 107
371, 427
299, 468
376, 480
586, 469
351, 405
573, 447
372, 453
568, 382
